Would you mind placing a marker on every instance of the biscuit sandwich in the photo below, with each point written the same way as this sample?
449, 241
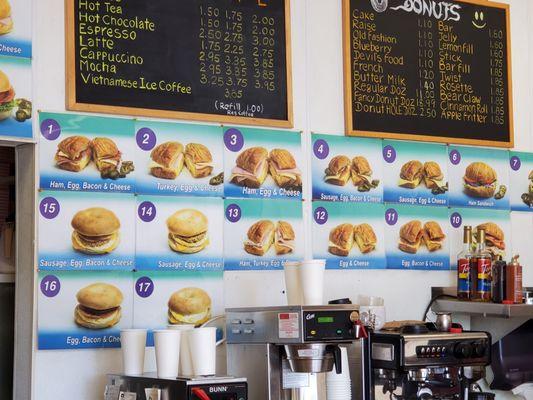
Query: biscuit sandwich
189, 306
284, 170
198, 160
341, 240
6, 22
106, 154
187, 231
411, 174
494, 238
361, 171
98, 306
260, 238
365, 237
410, 237
338, 171
167, 160
284, 238
433, 236
251, 169
73, 153
480, 180
96, 231
433, 177
7, 97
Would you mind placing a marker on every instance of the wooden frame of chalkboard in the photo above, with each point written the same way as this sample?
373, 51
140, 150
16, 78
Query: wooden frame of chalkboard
351, 128
74, 105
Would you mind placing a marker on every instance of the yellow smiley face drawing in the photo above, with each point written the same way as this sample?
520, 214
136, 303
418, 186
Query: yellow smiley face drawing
479, 20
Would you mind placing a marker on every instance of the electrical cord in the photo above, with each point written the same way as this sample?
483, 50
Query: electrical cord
433, 300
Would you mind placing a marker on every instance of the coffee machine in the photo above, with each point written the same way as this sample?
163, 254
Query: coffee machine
285, 351
418, 362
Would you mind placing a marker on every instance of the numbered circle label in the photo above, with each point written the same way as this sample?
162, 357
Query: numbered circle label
456, 220
50, 286
147, 211
389, 154
516, 163
144, 287
49, 207
50, 129
146, 139
233, 213
455, 157
321, 149
391, 216
233, 140
320, 215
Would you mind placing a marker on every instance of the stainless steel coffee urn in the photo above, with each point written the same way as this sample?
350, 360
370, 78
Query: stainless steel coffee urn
286, 351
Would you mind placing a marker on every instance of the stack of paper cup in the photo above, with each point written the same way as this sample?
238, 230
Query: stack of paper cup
203, 350
304, 282
339, 386
167, 353
185, 366
133, 343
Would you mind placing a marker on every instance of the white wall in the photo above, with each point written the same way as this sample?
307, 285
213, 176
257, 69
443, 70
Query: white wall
318, 101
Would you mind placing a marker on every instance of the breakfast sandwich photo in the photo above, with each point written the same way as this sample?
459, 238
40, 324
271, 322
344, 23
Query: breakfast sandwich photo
16, 91
521, 181
349, 236
80, 232
415, 173
83, 309
89, 154
261, 163
179, 233
347, 169
16, 28
179, 159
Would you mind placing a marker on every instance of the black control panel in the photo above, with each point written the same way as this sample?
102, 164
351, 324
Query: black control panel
231, 391
328, 325
459, 350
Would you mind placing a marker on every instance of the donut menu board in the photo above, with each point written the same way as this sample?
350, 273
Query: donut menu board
213, 60
428, 70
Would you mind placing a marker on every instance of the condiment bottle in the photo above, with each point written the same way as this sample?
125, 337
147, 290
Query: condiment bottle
463, 266
514, 281
483, 267
499, 280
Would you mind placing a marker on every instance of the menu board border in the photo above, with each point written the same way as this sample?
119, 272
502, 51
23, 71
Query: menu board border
73, 105
348, 100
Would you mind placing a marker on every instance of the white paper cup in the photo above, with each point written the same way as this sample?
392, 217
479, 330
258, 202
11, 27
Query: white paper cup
167, 353
311, 275
293, 289
133, 343
203, 348
185, 368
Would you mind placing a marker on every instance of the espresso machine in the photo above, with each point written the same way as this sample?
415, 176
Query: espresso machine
418, 362
285, 351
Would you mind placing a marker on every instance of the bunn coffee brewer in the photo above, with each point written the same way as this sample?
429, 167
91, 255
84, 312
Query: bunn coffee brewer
417, 362
285, 351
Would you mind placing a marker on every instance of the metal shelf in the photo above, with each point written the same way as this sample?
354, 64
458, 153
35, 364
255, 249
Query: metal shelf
491, 310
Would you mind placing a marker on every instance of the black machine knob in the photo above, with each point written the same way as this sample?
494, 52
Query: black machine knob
479, 349
462, 350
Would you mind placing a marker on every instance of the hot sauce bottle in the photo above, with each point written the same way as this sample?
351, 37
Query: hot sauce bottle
464, 258
484, 272
514, 281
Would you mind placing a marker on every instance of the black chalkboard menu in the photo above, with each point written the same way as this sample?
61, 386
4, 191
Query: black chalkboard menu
213, 60
428, 70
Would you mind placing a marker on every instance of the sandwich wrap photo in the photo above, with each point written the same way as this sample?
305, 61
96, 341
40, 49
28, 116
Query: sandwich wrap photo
179, 159
16, 89
179, 233
83, 309
417, 237
415, 173
263, 163
89, 154
164, 298
479, 177
78, 232
262, 234
347, 169
521, 181
349, 236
